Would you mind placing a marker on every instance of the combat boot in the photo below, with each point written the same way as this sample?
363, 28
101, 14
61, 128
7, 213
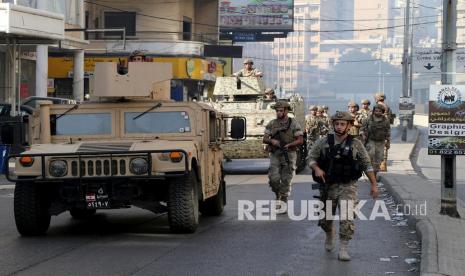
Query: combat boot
343, 251
283, 209
329, 242
383, 167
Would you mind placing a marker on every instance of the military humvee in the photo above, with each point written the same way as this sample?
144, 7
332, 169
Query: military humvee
246, 99
128, 150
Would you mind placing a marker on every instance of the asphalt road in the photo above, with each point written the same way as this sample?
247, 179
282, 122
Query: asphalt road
137, 242
430, 165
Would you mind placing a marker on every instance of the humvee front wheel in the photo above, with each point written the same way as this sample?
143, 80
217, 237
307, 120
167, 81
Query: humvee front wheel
183, 204
81, 214
31, 206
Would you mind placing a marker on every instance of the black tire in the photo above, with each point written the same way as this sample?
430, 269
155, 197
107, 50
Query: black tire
31, 206
214, 206
81, 214
183, 204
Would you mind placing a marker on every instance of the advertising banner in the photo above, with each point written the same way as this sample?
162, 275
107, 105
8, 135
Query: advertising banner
256, 15
446, 121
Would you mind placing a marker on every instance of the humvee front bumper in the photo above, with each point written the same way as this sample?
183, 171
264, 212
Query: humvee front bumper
97, 166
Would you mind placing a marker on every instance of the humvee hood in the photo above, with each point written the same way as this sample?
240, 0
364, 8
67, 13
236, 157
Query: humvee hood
112, 146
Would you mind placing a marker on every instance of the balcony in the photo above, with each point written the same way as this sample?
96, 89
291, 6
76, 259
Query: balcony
28, 25
160, 43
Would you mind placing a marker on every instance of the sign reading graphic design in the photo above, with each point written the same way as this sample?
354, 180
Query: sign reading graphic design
446, 120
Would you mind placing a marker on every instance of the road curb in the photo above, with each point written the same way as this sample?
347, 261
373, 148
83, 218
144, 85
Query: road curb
425, 229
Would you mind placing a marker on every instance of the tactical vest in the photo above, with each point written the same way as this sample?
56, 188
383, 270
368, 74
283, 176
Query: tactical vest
377, 130
338, 163
282, 133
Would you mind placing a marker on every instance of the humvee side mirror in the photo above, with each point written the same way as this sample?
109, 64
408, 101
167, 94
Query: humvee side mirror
238, 131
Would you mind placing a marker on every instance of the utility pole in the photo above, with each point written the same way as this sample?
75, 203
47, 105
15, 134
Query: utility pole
449, 45
405, 67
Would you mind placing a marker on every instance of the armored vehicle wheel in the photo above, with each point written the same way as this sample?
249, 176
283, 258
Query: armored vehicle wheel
214, 206
183, 204
78, 213
31, 209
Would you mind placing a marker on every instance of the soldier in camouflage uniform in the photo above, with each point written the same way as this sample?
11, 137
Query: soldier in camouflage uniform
353, 109
376, 132
365, 111
283, 135
311, 125
339, 180
323, 121
380, 98
248, 70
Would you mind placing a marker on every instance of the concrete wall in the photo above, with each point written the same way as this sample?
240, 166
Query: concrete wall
151, 26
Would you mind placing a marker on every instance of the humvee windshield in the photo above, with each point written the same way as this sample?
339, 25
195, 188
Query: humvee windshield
81, 124
157, 122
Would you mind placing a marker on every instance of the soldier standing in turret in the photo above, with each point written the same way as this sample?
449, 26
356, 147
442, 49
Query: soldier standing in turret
283, 135
248, 70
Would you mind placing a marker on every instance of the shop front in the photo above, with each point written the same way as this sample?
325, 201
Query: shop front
193, 78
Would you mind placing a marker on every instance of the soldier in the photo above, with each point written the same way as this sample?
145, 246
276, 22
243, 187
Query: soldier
323, 121
376, 132
311, 125
248, 70
380, 98
269, 94
283, 135
353, 109
337, 161
326, 110
365, 112
137, 56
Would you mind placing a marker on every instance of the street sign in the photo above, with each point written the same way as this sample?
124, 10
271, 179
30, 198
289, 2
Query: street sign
428, 60
244, 37
406, 106
446, 121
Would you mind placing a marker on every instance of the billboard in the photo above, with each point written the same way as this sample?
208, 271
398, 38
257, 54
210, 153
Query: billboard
446, 121
256, 15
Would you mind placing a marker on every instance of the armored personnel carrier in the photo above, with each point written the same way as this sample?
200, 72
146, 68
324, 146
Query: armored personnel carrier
244, 97
129, 146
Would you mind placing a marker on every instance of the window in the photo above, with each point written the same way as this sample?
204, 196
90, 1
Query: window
119, 20
186, 29
81, 124
155, 122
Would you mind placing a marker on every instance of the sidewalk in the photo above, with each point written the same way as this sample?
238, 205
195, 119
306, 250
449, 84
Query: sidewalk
442, 237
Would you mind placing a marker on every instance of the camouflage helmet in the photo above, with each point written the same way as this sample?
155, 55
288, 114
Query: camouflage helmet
325, 107
342, 115
282, 104
352, 104
366, 101
320, 109
248, 60
313, 108
380, 96
379, 106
